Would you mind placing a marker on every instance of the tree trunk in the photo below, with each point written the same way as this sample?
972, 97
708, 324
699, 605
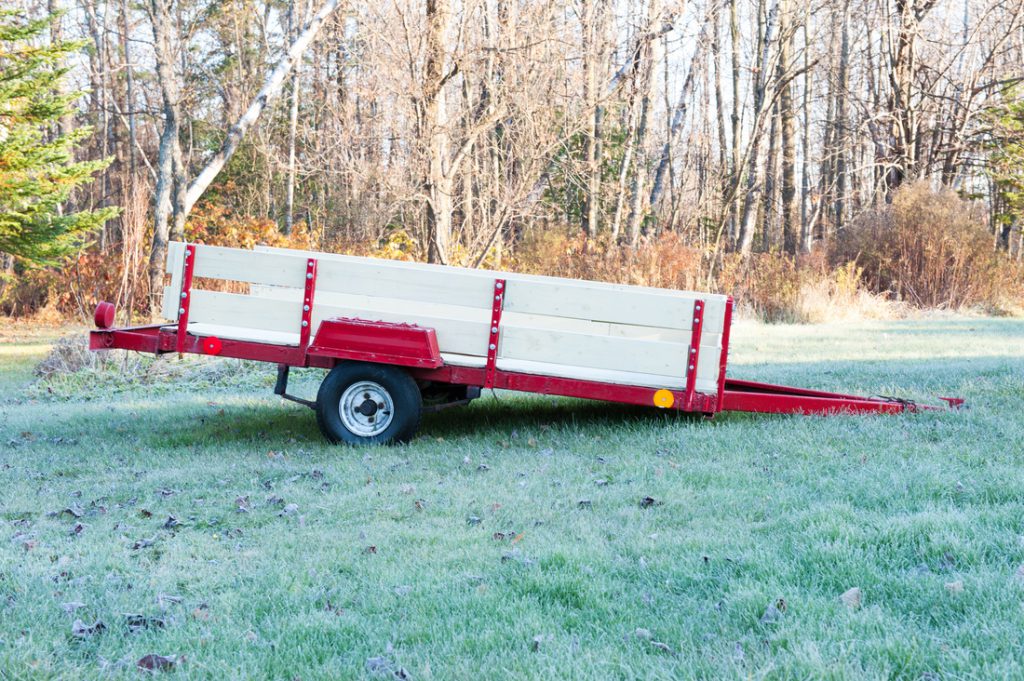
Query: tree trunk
160, 18
787, 125
437, 182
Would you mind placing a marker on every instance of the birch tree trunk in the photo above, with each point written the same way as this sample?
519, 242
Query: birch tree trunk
268, 93
296, 12
163, 47
754, 169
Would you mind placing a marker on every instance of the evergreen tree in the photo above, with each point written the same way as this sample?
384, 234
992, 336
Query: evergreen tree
1006, 161
37, 168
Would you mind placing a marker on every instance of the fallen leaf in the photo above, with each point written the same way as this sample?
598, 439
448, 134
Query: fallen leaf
518, 538
370, 550
663, 647
289, 509
474, 520
407, 489
171, 523
76, 530
420, 504
71, 606
156, 663
163, 600
601, 482
483, 468
851, 598
647, 502
642, 633
74, 510
81, 629
955, 587
143, 543
772, 614
136, 622
536, 641
145, 513
584, 503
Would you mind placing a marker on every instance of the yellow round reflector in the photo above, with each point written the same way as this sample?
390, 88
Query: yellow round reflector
664, 398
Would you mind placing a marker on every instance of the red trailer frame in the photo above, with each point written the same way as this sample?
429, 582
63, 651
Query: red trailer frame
415, 349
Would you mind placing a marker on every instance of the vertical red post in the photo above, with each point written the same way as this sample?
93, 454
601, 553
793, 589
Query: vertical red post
726, 326
693, 354
492, 340
186, 296
307, 307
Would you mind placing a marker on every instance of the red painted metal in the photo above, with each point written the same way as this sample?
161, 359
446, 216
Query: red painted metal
305, 326
780, 399
724, 360
186, 295
104, 315
736, 396
494, 335
382, 342
693, 354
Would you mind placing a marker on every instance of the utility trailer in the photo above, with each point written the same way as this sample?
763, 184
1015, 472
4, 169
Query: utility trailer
401, 338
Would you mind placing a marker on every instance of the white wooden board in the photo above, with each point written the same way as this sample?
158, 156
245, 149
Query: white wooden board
550, 326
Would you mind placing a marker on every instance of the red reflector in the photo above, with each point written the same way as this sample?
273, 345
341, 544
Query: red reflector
104, 315
211, 346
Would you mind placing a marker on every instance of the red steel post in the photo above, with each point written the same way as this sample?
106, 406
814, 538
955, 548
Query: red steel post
693, 354
307, 306
492, 340
186, 296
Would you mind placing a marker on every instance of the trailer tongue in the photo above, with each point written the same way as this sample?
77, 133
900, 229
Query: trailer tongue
400, 338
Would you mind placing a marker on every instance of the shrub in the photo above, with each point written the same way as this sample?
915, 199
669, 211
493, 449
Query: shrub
930, 249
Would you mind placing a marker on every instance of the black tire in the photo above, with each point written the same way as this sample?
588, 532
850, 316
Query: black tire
372, 392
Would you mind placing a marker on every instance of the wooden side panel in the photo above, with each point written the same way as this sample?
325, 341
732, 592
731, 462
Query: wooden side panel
528, 294
176, 268
568, 328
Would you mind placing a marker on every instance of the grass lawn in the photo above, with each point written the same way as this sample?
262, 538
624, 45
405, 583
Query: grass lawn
196, 515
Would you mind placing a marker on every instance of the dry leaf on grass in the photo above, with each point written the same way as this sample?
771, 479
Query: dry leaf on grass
81, 629
852, 598
157, 663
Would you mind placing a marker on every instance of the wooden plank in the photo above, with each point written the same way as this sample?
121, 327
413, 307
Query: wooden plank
382, 279
176, 268
597, 352
243, 311
240, 333
252, 267
602, 375
633, 307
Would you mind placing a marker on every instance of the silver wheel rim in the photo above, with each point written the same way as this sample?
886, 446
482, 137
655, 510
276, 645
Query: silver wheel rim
366, 409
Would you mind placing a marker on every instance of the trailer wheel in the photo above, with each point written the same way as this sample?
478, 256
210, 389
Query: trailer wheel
360, 404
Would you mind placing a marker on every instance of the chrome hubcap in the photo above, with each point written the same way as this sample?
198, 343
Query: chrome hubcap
366, 408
